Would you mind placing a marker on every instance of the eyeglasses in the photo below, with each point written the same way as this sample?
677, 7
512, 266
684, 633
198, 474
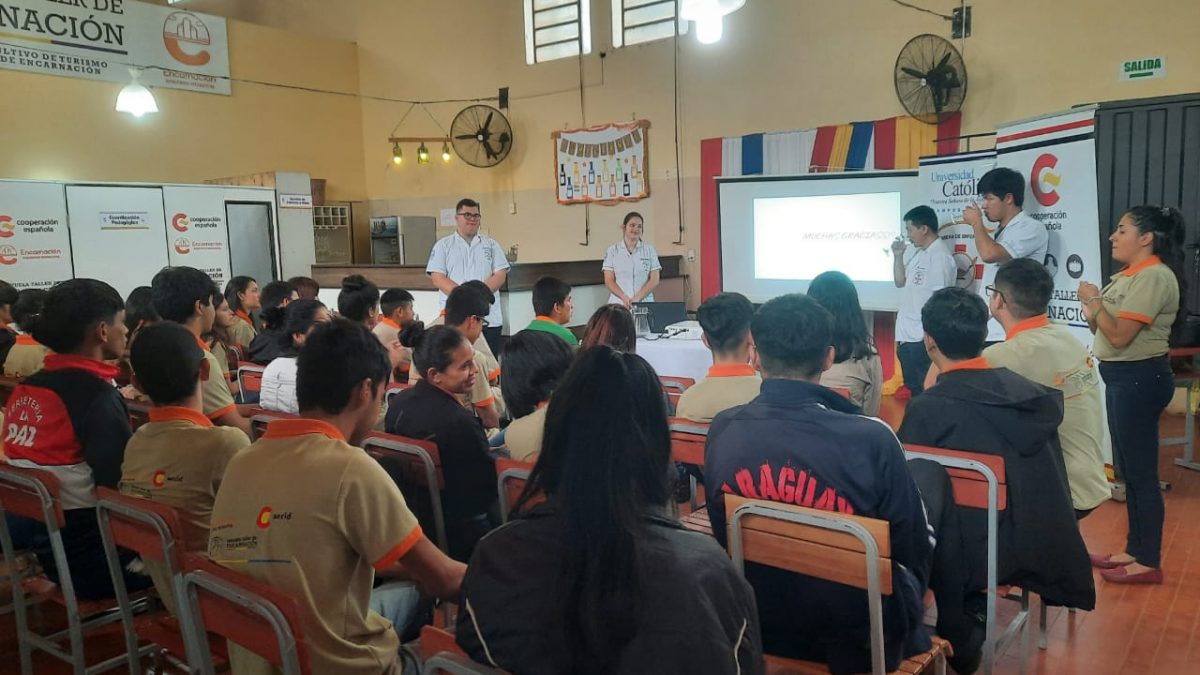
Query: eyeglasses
992, 290
483, 320
470, 216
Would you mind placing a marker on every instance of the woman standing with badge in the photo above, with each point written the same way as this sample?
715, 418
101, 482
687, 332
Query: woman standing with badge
631, 266
1132, 319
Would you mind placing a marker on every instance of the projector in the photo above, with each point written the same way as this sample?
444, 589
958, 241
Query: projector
684, 330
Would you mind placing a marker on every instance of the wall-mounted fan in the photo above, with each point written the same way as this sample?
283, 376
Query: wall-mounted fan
931, 78
481, 135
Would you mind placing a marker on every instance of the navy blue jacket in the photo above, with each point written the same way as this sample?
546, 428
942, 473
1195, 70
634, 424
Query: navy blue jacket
804, 444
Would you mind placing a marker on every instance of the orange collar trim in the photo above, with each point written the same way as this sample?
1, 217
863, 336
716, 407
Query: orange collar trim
301, 427
1039, 321
443, 314
731, 370
389, 322
175, 413
27, 340
977, 363
203, 344
544, 318
543, 404
1134, 269
241, 314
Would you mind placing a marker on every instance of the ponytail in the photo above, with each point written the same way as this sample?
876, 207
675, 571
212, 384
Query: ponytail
432, 348
1167, 225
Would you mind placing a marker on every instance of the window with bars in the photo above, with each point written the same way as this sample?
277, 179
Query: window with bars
638, 21
557, 29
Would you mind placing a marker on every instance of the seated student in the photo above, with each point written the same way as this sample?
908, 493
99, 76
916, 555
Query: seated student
466, 311
27, 355
979, 408
8, 298
139, 313
725, 319
396, 305
534, 362
306, 495
481, 345
178, 457
242, 294
600, 579
431, 410
265, 346
220, 338
69, 419
306, 288
553, 308
1051, 356
359, 300
856, 364
279, 379
186, 296
610, 325
799, 442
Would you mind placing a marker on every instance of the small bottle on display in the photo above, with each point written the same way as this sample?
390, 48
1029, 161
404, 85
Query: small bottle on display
625, 186
604, 167
570, 189
575, 172
562, 174
612, 185
583, 189
591, 173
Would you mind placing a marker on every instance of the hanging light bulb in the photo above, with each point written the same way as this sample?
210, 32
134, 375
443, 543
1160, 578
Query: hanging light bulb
709, 16
135, 98
445, 151
422, 154
397, 156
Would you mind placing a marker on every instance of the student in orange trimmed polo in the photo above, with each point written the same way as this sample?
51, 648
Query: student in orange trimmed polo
27, 355
178, 457
242, 294
189, 297
307, 511
396, 309
732, 381
553, 306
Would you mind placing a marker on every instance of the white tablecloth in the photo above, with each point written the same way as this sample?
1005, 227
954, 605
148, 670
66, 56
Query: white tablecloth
676, 358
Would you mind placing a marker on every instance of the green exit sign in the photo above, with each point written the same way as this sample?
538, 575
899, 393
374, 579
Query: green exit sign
1150, 68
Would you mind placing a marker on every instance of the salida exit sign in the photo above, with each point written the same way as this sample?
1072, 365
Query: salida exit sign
1150, 68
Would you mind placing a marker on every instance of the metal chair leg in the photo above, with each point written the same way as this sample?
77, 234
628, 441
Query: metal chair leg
1042, 637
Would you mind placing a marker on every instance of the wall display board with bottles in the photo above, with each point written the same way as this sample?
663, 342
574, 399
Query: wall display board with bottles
605, 164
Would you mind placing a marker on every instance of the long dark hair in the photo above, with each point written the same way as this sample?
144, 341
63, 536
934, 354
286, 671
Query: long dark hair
219, 333
611, 325
835, 292
604, 462
28, 308
1168, 227
431, 348
237, 285
299, 316
534, 363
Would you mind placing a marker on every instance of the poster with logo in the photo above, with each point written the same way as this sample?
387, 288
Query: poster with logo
948, 184
118, 234
1057, 156
35, 247
197, 235
103, 39
604, 164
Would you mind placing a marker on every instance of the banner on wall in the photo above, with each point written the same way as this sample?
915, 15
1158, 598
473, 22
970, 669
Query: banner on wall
197, 233
1057, 156
948, 184
117, 234
103, 39
604, 164
35, 247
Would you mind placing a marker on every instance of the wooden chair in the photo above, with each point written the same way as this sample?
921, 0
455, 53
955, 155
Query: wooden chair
153, 531
258, 617
674, 387
249, 377
442, 654
34, 494
849, 550
687, 447
511, 477
416, 467
979, 482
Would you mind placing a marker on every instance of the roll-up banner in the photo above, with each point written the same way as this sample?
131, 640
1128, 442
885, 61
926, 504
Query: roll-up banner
35, 247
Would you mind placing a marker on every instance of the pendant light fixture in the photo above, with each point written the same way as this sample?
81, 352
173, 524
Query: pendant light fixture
135, 98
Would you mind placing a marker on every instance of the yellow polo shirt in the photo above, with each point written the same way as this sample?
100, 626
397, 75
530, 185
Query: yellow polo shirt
1051, 356
214, 390
242, 331
25, 357
1148, 293
523, 437
305, 511
178, 459
725, 387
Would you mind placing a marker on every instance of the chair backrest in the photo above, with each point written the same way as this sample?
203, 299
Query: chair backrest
511, 477
249, 377
687, 440
809, 541
150, 529
234, 355
393, 389
673, 388
442, 654
139, 413
260, 418
970, 487
416, 467
258, 617
31, 493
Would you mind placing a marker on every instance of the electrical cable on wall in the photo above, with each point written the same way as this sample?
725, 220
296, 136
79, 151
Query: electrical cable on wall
922, 9
587, 207
675, 105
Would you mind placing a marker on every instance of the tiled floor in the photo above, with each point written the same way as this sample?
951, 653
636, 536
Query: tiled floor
1135, 629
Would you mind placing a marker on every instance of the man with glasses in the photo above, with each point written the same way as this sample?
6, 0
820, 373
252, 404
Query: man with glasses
930, 267
469, 255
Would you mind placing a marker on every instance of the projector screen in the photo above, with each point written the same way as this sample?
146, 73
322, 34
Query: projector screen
778, 233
